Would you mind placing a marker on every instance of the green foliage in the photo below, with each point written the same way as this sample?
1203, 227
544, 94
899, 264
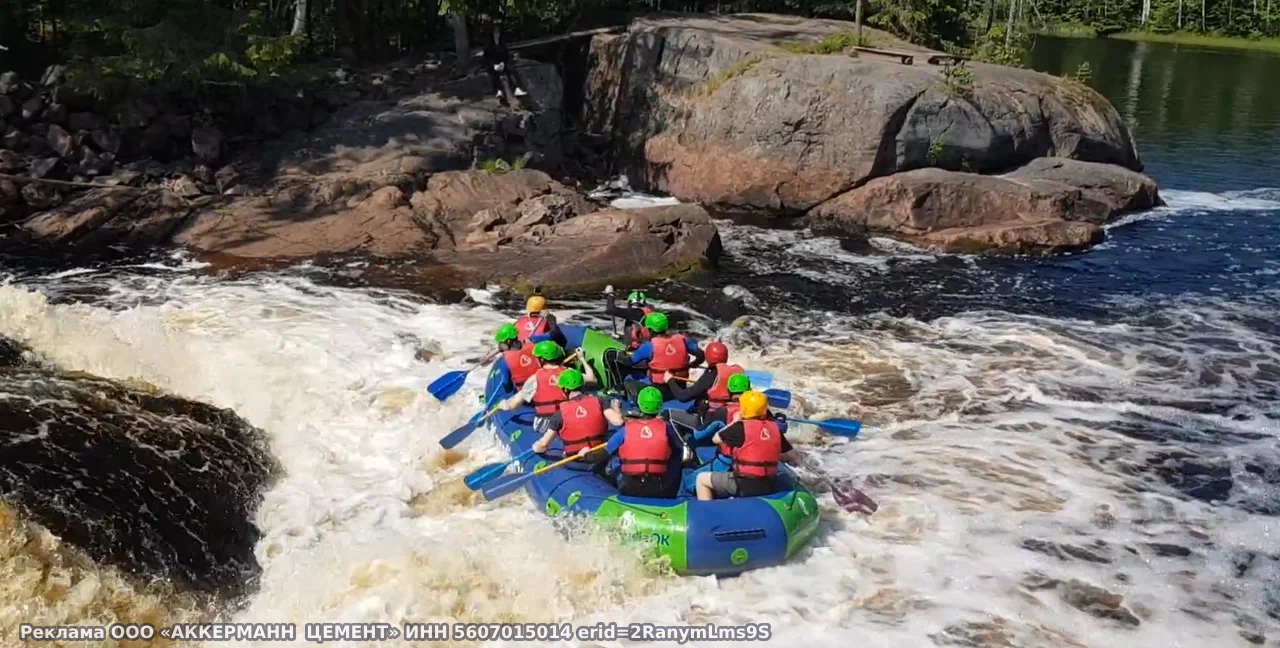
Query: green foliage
933, 23
1083, 73
500, 166
736, 70
958, 79
996, 48
831, 44
936, 149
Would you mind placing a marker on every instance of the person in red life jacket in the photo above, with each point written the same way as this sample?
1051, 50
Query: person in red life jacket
538, 324
581, 422
675, 353
521, 364
756, 445
542, 390
635, 333
648, 451
712, 387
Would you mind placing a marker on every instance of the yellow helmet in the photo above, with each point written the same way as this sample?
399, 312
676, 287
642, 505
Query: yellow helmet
754, 404
535, 304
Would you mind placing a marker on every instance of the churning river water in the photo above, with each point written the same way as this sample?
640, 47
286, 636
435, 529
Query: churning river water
1075, 451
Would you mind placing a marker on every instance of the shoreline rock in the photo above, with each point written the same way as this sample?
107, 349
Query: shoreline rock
714, 111
1049, 205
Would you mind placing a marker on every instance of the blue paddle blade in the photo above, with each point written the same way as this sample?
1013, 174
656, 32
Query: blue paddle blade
759, 379
505, 485
484, 474
459, 435
779, 398
447, 385
837, 426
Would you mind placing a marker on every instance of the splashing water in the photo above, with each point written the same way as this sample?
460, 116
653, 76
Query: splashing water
1095, 474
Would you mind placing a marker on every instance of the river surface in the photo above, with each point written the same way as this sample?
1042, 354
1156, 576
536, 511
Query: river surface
1078, 451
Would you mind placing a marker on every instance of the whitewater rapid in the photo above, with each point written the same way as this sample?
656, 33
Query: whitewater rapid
1026, 465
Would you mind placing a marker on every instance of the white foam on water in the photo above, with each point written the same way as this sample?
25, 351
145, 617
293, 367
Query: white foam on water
992, 432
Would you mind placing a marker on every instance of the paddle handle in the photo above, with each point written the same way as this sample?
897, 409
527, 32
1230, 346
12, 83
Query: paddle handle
568, 460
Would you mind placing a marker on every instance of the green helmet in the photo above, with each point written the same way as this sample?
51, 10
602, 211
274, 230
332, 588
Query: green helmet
656, 322
506, 333
570, 380
650, 400
637, 297
548, 350
739, 383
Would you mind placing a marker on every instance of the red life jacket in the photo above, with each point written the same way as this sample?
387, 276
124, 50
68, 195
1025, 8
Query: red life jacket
639, 332
669, 354
548, 394
583, 424
761, 450
719, 394
528, 326
521, 364
645, 449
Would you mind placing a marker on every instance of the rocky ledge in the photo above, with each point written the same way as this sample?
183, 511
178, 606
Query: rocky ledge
723, 111
388, 180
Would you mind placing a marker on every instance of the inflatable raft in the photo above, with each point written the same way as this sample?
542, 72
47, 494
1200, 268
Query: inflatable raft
724, 536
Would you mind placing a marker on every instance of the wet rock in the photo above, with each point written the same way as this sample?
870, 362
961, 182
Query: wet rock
7, 107
226, 178
206, 143
53, 75
43, 167
1253, 637
10, 161
186, 187
1065, 551
202, 174
1168, 550
1097, 602
32, 108
1030, 210
976, 634
84, 121
60, 141
132, 113
9, 191
40, 196
125, 177
15, 140
90, 163
108, 140
56, 113
545, 210
9, 83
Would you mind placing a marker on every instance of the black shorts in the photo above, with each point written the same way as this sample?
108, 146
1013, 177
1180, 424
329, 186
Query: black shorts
726, 483
647, 486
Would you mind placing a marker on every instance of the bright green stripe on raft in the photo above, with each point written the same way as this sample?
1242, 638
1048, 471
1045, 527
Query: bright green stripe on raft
799, 513
663, 528
594, 344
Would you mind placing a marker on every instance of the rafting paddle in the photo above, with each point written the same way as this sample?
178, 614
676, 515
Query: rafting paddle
507, 484
849, 498
759, 379
837, 426
488, 472
779, 398
459, 435
449, 384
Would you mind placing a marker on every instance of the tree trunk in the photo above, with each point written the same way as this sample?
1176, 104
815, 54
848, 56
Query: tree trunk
857, 13
1179, 15
1146, 11
300, 17
1008, 32
460, 43
1202, 15
991, 16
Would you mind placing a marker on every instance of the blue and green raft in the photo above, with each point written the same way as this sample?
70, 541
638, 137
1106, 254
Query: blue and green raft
724, 536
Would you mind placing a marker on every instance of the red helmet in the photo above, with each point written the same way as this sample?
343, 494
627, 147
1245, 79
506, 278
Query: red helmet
717, 353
